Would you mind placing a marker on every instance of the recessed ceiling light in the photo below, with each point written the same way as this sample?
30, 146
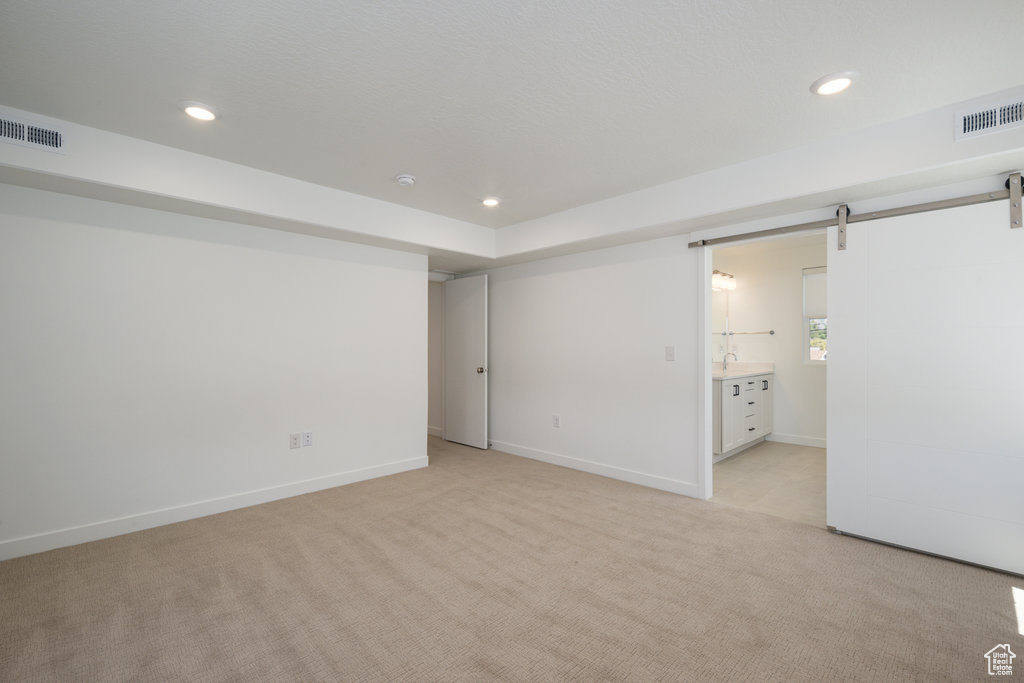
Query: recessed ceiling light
405, 179
833, 83
198, 110
491, 202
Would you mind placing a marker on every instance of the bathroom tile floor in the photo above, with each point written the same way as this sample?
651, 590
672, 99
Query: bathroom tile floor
774, 478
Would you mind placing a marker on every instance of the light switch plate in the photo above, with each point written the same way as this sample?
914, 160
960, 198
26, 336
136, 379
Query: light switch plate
670, 353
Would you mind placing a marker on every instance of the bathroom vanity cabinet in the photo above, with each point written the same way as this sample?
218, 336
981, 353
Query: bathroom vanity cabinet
743, 411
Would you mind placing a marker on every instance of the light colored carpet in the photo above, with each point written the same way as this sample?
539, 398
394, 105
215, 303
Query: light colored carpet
486, 566
778, 479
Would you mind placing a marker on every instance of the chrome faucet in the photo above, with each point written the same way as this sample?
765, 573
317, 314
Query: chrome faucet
725, 361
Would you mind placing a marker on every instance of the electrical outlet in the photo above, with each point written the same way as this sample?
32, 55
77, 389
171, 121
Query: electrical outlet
307, 438
556, 421
294, 440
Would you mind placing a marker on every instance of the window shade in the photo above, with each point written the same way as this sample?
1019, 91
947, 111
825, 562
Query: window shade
815, 293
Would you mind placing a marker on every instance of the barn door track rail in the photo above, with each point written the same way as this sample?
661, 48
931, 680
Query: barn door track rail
844, 218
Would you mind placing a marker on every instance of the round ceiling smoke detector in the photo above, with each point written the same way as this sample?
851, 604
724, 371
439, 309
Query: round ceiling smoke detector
405, 180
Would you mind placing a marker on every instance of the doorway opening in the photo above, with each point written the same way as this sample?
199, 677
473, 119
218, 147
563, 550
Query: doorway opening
769, 358
457, 386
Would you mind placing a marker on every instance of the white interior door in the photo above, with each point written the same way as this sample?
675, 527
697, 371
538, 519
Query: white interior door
465, 361
925, 445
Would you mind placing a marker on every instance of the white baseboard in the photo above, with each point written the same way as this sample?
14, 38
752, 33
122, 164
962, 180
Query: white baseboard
653, 481
49, 540
797, 440
434, 431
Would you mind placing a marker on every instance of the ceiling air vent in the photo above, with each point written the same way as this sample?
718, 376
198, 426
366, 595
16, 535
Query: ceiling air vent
28, 135
992, 119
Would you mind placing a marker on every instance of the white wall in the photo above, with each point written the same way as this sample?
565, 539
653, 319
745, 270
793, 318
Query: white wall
435, 358
584, 337
769, 296
155, 364
924, 398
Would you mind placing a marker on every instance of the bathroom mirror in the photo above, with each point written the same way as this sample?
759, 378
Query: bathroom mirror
719, 316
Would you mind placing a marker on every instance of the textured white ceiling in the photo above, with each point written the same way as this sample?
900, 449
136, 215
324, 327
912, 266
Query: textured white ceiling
549, 105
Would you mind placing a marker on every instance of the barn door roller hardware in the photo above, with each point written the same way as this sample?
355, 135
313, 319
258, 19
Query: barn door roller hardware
1013, 186
844, 218
842, 215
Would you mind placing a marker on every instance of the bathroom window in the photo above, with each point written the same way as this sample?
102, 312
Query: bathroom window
815, 315
817, 339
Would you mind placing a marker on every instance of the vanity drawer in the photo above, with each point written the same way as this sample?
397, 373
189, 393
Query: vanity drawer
751, 423
751, 404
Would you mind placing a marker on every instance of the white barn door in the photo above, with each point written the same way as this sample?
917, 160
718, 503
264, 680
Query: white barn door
925, 408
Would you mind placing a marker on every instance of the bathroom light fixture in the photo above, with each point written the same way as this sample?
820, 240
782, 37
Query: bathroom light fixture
405, 179
833, 83
491, 202
198, 110
720, 281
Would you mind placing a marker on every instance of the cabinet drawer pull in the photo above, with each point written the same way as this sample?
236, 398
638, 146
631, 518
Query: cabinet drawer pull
750, 429
750, 403
749, 382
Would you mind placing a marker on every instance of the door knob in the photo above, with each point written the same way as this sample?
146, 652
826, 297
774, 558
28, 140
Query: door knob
480, 371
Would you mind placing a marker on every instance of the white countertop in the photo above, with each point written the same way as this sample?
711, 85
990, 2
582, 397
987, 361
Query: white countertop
739, 369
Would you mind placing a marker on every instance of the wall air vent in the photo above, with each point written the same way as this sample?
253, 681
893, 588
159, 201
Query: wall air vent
990, 119
29, 135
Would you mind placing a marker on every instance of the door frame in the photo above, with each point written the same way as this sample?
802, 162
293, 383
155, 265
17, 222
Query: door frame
447, 368
705, 464
705, 470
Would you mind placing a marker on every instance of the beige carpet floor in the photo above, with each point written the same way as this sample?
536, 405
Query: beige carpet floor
486, 566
